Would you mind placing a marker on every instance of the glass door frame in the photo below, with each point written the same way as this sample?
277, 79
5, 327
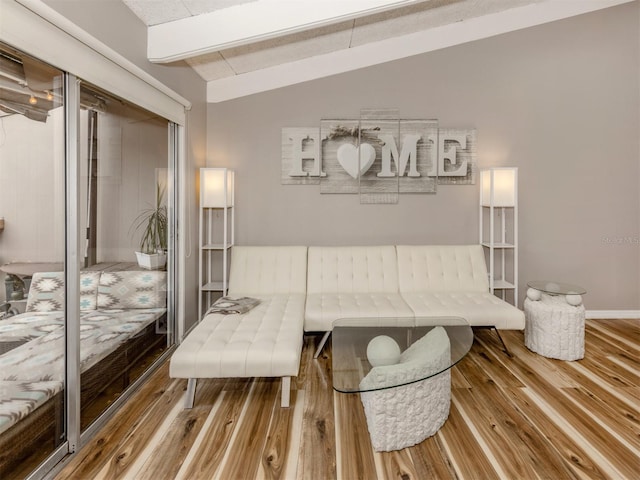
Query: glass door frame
72, 260
75, 437
37, 30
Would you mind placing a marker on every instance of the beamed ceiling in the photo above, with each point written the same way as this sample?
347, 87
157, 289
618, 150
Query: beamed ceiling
241, 47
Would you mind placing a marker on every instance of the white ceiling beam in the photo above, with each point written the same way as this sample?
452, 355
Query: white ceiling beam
396, 48
253, 22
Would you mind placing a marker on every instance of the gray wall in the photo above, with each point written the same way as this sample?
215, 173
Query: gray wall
559, 101
115, 25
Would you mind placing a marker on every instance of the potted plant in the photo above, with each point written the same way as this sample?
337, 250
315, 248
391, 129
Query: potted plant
153, 243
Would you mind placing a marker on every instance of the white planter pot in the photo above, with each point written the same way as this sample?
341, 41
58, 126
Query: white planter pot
151, 261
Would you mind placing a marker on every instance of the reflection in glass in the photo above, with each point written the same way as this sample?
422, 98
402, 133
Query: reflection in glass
123, 207
125, 192
32, 206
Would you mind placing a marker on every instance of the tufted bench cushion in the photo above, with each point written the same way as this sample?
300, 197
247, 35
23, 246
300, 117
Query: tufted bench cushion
264, 342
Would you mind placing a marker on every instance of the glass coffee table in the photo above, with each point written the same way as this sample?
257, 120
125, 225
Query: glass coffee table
401, 367
351, 337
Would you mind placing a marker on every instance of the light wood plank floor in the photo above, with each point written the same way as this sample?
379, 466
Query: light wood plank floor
526, 417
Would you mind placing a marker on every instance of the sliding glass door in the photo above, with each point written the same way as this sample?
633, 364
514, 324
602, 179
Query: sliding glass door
86, 256
32, 250
124, 217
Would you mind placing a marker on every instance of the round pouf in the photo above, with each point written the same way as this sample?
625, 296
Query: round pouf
553, 328
383, 350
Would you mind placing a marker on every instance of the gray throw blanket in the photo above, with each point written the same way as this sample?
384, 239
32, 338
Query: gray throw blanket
230, 305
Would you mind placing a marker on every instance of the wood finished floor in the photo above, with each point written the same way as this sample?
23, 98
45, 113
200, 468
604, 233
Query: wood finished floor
526, 417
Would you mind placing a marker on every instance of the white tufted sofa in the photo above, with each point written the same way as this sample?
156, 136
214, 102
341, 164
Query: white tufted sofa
452, 280
351, 282
264, 342
310, 288
402, 281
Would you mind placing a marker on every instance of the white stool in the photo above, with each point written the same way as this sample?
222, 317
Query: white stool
554, 328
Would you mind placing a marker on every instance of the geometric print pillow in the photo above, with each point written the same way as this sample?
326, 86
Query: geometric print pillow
133, 289
46, 292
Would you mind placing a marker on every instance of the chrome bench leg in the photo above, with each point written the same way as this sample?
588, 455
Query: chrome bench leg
322, 342
191, 393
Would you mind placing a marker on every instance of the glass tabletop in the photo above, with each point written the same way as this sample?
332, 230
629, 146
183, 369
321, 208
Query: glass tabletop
402, 350
556, 288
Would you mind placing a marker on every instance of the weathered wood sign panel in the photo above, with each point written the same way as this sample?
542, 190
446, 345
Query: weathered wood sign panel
378, 158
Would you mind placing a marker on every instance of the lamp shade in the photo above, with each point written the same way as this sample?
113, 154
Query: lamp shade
216, 187
498, 186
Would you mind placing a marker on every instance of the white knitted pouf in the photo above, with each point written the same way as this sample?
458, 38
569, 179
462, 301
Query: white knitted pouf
554, 328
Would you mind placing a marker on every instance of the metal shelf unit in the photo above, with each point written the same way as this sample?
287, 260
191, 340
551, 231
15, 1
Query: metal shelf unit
499, 229
216, 235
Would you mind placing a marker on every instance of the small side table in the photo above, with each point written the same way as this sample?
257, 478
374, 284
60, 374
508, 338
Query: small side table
554, 320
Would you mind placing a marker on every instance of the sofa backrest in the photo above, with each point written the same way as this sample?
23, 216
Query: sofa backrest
46, 292
268, 270
372, 269
442, 268
133, 289
125, 289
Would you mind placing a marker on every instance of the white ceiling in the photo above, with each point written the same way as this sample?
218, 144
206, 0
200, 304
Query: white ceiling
240, 47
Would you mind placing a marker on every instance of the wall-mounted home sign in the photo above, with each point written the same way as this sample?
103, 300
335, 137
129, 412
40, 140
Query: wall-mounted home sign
378, 156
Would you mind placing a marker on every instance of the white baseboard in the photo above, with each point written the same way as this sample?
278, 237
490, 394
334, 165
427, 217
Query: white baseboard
611, 314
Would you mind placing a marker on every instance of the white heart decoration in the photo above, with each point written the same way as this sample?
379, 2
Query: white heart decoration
348, 158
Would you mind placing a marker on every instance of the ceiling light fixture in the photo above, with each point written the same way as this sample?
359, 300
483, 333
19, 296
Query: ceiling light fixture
33, 100
49, 95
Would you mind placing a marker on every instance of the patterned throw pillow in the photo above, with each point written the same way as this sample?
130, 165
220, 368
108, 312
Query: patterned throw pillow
89, 290
46, 293
132, 289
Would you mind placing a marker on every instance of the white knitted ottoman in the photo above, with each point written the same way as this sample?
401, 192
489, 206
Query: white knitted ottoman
400, 417
553, 328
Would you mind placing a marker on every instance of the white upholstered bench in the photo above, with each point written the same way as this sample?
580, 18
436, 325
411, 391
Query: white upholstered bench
264, 342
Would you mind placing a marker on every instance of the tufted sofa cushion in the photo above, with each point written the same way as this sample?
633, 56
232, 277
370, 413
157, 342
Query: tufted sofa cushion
478, 308
353, 270
352, 282
442, 268
451, 280
269, 270
323, 309
264, 342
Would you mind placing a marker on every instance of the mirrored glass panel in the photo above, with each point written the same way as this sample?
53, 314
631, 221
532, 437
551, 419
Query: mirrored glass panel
32, 247
124, 214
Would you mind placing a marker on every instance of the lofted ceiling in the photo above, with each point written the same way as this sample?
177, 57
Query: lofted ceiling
241, 47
